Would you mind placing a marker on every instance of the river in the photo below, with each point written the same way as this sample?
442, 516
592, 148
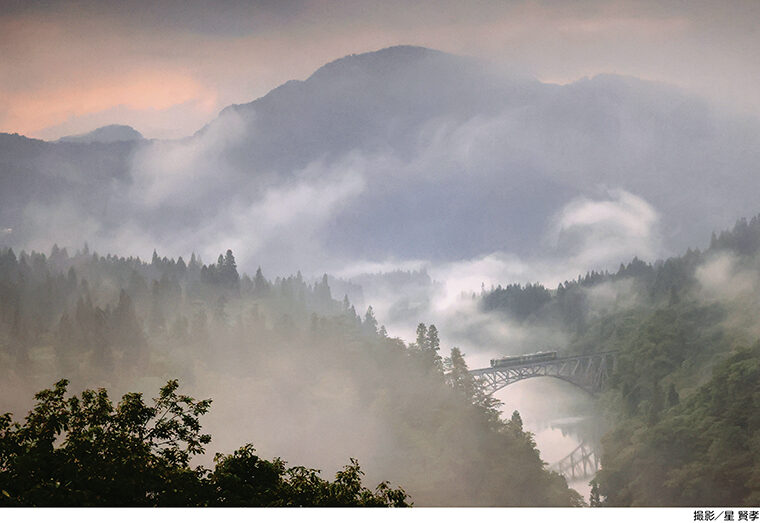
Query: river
560, 415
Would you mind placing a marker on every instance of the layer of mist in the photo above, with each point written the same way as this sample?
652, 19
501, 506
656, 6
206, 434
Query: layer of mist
290, 369
404, 156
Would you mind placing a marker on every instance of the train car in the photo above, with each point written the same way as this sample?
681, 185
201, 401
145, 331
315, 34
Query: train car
524, 359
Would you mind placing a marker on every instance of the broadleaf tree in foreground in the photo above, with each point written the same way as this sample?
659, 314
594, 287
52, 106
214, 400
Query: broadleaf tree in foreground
84, 451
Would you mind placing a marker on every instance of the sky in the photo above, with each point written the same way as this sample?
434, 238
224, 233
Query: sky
168, 67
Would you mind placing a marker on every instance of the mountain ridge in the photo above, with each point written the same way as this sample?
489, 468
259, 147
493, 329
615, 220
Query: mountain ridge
428, 156
105, 134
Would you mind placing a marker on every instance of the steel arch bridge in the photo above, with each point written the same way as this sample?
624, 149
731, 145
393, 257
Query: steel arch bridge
587, 371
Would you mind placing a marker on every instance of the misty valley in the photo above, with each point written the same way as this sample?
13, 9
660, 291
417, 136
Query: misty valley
295, 374
411, 279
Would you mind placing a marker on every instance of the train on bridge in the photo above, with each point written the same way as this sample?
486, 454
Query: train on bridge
524, 359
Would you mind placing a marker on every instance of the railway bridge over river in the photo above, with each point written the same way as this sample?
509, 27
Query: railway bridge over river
586, 371
589, 372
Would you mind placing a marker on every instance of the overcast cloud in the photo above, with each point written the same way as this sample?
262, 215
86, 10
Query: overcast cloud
167, 67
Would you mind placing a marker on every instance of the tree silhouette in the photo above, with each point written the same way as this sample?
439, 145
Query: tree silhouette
84, 451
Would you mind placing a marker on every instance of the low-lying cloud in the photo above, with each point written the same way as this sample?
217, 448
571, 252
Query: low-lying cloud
623, 224
522, 182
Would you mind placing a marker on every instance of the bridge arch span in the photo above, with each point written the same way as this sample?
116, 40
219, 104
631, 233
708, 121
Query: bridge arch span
586, 371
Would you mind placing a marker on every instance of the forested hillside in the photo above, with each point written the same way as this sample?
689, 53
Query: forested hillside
683, 398
301, 375
290, 369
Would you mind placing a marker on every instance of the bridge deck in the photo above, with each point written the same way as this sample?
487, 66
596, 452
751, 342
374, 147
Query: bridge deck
587, 371
487, 370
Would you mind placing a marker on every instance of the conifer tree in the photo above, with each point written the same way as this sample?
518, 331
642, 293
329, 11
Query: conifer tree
260, 284
229, 274
433, 346
422, 341
370, 323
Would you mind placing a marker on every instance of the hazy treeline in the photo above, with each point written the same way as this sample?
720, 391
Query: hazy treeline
290, 369
575, 303
683, 398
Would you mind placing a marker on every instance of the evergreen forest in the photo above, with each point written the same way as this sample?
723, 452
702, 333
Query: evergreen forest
286, 368
683, 401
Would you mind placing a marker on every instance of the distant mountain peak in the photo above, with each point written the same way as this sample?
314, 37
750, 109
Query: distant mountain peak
386, 58
106, 134
395, 53
405, 64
